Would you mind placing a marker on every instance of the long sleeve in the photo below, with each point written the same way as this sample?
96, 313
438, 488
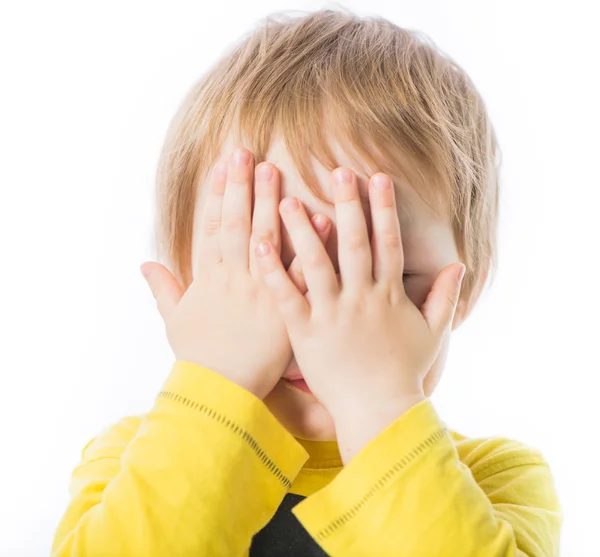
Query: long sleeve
408, 493
199, 474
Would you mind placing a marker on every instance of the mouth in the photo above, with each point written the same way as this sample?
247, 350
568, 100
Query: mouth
299, 384
293, 378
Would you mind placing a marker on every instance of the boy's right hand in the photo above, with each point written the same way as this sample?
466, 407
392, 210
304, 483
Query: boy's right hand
227, 319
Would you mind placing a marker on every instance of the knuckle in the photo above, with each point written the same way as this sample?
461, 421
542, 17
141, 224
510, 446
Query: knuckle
347, 198
238, 180
212, 226
269, 267
287, 301
217, 188
260, 236
297, 272
283, 295
355, 242
390, 240
233, 223
314, 259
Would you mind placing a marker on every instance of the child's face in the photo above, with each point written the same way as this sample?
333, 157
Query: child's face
428, 245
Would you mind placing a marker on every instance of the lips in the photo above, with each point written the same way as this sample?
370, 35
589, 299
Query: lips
299, 384
293, 375
292, 372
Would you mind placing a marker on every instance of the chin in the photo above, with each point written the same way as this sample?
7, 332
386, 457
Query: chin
300, 413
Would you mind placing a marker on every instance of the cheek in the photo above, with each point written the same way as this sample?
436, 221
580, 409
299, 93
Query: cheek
435, 372
417, 290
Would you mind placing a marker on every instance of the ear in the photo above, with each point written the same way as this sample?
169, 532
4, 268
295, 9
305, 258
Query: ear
466, 303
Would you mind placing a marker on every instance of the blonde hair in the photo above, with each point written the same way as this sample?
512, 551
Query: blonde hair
388, 93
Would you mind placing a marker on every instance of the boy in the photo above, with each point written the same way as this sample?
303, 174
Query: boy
296, 419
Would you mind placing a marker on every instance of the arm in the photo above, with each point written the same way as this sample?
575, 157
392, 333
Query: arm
207, 467
200, 474
404, 490
409, 493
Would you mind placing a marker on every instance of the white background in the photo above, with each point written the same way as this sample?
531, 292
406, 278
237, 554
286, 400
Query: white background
87, 92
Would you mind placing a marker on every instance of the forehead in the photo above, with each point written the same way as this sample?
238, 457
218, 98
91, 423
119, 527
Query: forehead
426, 232
416, 216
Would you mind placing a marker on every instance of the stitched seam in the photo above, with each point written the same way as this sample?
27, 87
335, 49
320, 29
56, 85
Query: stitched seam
325, 464
235, 428
507, 464
380, 484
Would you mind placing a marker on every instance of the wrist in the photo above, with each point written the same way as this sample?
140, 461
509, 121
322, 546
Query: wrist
358, 424
383, 400
249, 379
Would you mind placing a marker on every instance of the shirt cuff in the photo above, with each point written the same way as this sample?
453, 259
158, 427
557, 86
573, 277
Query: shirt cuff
332, 515
241, 414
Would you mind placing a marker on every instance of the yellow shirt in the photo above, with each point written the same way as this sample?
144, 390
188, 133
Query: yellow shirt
208, 467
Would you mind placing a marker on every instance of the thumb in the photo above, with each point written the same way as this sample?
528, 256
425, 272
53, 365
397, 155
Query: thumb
164, 287
440, 304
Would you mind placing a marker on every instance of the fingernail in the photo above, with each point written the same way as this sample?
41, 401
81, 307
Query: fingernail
289, 204
321, 222
381, 182
264, 172
241, 157
262, 249
343, 176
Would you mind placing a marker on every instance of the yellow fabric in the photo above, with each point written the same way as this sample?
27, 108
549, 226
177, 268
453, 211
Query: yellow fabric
207, 467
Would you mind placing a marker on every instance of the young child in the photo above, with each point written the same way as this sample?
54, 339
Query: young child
296, 420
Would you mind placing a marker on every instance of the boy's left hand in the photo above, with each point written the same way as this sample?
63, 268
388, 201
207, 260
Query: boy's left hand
363, 347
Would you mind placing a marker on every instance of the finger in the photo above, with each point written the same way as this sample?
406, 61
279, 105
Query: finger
316, 265
265, 219
386, 240
292, 304
440, 304
164, 287
354, 251
209, 250
237, 200
322, 225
